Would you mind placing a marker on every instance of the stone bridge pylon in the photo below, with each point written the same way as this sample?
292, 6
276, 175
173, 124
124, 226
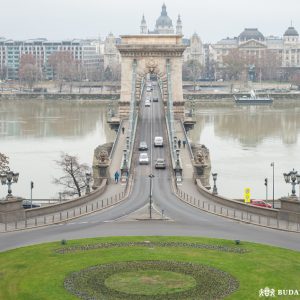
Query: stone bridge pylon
151, 54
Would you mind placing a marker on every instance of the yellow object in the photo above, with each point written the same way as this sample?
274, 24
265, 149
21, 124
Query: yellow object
247, 195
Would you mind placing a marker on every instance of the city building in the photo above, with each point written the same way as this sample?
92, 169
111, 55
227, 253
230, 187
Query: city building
11, 52
252, 42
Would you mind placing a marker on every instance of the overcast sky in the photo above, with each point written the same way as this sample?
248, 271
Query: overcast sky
211, 19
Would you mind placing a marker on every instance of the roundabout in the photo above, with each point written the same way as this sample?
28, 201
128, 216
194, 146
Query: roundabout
146, 267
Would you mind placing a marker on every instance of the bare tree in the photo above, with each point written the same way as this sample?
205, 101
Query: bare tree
29, 71
4, 162
295, 79
65, 67
3, 72
234, 64
74, 179
191, 70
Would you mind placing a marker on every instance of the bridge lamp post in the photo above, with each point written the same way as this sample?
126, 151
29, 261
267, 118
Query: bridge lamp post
88, 179
294, 178
8, 179
214, 176
151, 176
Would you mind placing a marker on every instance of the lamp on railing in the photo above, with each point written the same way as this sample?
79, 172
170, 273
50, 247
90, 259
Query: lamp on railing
8, 179
88, 179
151, 176
294, 178
215, 191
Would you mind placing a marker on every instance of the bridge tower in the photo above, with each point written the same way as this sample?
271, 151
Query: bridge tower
151, 53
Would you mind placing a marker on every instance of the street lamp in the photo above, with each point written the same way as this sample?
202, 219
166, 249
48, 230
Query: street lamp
272, 165
9, 178
266, 184
88, 178
294, 178
150, 198
215, 191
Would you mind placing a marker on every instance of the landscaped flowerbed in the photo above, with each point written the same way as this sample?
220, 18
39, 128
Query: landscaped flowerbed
209, 282
150, 244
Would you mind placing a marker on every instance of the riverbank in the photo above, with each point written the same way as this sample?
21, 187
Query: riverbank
59, 96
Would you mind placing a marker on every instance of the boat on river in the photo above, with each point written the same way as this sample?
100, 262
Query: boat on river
253, 99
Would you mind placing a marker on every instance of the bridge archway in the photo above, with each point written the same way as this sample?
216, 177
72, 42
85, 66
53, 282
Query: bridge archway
158, 54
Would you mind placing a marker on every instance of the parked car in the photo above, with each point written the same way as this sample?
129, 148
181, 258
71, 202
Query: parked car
143, 146
149, 89
27, 204
260, 203
144, 159
160, 163
147, 103
158, 141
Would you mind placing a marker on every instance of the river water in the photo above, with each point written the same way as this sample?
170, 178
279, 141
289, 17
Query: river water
33, 134
243, 141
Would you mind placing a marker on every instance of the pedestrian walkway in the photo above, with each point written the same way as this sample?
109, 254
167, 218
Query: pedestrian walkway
116, 158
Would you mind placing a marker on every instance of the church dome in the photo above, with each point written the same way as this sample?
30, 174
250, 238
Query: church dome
164, 20
251, 34
291, 31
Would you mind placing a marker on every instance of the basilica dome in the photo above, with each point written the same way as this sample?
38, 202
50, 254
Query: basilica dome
164, 20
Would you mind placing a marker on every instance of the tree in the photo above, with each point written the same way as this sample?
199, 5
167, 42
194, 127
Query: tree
191, 70
65, 67
267, 65
3, 72
295, 79
29, 71
234, 64
74, 178
4, 162
108, 74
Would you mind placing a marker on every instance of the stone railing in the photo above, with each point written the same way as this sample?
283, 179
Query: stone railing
235, 210
67, 211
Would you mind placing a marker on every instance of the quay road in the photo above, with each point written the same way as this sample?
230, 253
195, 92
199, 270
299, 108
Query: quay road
183, 220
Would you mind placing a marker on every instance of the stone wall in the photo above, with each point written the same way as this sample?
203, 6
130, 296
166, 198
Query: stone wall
70, 204
49, 96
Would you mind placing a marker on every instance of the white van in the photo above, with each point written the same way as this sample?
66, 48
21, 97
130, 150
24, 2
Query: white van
158, 141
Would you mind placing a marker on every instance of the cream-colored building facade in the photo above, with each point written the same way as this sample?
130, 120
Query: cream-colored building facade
253, 42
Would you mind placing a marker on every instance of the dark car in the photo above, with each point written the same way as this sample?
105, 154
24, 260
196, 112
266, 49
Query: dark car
27, 204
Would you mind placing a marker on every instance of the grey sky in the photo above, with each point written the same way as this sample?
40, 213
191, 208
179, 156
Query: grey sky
211, 19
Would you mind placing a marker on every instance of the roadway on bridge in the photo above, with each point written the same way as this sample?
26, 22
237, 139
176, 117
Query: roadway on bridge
183, 220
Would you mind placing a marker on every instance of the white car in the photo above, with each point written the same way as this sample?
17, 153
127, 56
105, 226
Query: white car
144, 159
147, 103
158, 141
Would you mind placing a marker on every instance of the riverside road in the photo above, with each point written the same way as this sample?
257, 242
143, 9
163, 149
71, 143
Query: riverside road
182, 219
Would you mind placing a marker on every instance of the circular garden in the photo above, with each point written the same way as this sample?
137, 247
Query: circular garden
151, 280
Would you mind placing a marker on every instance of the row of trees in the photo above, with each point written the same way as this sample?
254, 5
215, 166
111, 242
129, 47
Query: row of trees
239, 65
65, 69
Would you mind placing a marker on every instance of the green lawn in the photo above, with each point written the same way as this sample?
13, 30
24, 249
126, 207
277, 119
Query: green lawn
38, 272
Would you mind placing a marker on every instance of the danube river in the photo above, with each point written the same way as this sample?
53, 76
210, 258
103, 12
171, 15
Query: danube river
35, 133
243, 141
